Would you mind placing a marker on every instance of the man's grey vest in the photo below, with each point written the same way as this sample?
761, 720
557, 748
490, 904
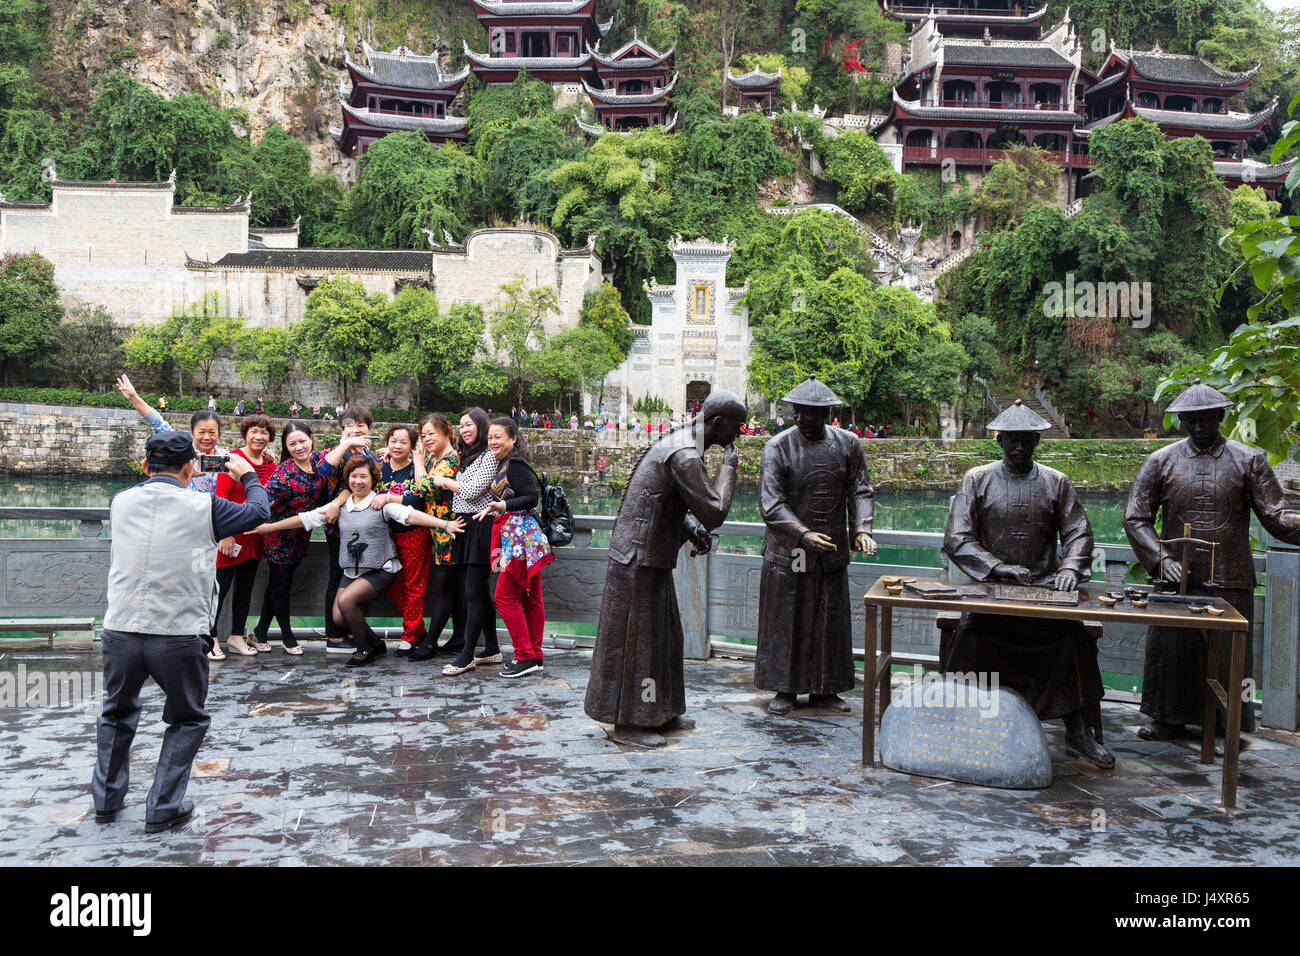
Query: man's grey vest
163, 576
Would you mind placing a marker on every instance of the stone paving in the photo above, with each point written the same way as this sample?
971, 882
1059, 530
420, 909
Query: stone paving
310, 762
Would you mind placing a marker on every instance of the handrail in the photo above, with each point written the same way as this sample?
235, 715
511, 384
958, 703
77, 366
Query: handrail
585, 524
1056, 416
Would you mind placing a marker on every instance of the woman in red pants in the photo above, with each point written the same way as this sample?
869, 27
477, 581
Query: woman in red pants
414, 546
519, 546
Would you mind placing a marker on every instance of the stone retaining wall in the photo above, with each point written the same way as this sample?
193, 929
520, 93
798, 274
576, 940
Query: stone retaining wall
49, 439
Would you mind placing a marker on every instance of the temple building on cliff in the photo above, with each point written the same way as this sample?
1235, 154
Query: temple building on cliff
548, 38
1184, 96
399, 90
633, 88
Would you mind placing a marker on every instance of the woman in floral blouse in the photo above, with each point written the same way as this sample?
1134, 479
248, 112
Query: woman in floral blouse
294, 487
433, 487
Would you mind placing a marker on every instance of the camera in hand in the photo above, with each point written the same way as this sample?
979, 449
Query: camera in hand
213, 462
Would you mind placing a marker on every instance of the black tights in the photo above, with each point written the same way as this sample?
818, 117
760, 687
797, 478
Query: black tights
241, 576
275, 603
447, 585
480, 614
350, 610
332, 630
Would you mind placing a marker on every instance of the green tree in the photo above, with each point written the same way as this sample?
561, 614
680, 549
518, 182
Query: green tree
341, 327
518, 326
406, 185
29, 310
264, 356
192, 339
90, 345
1024, 176
856, 163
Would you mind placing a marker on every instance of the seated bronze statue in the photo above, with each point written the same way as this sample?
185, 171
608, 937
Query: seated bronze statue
1004, 525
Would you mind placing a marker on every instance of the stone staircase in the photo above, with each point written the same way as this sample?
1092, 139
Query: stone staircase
1007, 399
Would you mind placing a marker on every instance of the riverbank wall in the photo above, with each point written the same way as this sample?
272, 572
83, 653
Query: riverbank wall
69, 440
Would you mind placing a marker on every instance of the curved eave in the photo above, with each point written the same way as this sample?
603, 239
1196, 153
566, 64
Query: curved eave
1024, 19
630, 99
1258, 172
753, 80
552, 8
1218, 122
916, 110
530, 63
437, 125
363, 74
657, 59
1223, 79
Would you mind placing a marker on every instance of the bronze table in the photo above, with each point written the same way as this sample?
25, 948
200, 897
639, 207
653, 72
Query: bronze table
879, 656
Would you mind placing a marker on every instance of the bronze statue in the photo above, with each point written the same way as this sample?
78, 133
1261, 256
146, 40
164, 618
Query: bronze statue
636, 681
813, 477
1210, 483
1004, 525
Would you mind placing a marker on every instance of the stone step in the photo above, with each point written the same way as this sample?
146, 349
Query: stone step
1007, 399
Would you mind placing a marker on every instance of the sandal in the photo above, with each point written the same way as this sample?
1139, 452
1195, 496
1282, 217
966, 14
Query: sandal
296, 650
490, 659
451, 670
236, 645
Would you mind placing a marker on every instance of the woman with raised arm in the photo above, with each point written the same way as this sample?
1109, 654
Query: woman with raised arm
205, 428
368, 558
294, 487
239, 557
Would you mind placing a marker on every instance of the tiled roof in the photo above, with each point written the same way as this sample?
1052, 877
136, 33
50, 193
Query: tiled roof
205, 210
609, 96
915, 108
653, 59
753, 79
6, 204
405, 70
1107, 83
109, 184
534, 8
320, 260
425, 124
590, 130
531, 63
965, 16
1257, 170
1182, 68
1210, 121
978, 53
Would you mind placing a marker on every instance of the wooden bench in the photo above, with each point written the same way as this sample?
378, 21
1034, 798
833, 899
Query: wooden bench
46, 625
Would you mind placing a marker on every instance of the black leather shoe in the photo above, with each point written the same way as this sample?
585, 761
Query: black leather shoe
424, 650
362, 658
186, 811
107, 816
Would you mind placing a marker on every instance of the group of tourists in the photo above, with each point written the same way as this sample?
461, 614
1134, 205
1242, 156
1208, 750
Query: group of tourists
428, 515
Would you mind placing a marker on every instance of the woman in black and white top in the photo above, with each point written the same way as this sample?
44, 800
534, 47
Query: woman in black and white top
367, 554
472, 551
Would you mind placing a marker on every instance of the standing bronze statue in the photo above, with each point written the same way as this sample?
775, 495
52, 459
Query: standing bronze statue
1003, 526
813, 477
1212, 484
637, 681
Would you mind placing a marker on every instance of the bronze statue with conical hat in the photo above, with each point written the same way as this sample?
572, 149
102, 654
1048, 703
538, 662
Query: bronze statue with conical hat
1020, 522
816, 499
637, 681
1211, 483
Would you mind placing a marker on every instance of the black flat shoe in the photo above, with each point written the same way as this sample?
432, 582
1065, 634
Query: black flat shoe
107, 816
424, 651
186, 811
362, 658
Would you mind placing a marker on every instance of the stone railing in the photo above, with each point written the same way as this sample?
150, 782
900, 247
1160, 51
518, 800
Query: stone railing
717, 593
956, 259
1073, 209
1052, 412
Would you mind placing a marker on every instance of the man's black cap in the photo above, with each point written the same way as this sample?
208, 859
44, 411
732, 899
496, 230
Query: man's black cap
170, 449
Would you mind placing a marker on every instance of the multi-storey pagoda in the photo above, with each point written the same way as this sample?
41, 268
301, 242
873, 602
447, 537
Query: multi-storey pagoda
1184, 96
966, 100
634, 88
398, 90
548, 38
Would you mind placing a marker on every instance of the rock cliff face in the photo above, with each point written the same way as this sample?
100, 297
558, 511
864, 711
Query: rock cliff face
279, 60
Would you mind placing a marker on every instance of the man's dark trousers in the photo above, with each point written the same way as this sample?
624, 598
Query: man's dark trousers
179, 664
